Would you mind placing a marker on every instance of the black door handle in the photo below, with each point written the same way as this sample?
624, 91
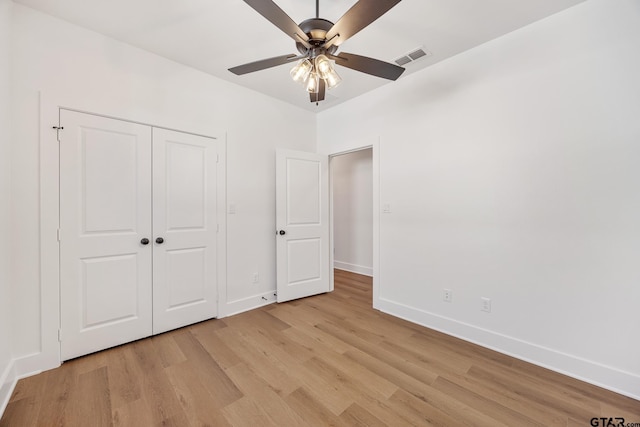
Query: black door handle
159, 240
282, 232
144, 241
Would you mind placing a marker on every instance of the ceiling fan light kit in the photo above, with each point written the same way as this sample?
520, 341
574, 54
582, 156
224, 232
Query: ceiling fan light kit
318, 40
308, 73
300, 72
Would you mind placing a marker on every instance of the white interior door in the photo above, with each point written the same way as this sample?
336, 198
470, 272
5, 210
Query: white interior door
302, 223
184, 228
105, 213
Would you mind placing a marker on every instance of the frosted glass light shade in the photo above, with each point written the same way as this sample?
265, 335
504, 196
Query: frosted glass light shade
323, 66
313, 82
333, 79
301, 70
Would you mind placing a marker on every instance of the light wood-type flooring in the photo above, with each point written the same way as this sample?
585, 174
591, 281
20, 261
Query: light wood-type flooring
327, 360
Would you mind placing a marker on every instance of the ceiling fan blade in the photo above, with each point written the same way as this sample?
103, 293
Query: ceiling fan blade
361, 14
262, 64
368, 65
317, 97
280, 19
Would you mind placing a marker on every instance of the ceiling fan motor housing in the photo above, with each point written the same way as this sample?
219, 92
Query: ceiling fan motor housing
316, 29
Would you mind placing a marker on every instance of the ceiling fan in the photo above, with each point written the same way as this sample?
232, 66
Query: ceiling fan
318, 40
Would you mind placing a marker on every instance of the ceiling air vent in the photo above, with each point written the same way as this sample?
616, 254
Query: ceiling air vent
414, 55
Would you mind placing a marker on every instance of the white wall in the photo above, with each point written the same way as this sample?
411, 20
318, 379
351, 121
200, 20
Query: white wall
352, 183
513, 172
108, 77
7, 375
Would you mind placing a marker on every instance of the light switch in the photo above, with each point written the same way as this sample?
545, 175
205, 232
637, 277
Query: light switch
232, 208
386, 208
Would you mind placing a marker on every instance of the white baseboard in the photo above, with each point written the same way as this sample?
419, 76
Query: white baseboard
353, 268
33, 364
607, 377
249, 303
8, 381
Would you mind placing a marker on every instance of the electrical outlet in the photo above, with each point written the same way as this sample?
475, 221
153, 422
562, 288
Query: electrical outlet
447, 295
256, 278
485, 304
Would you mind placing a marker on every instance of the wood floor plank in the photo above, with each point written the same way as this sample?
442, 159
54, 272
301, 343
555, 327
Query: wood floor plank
21, 412
389, 359
484, 404
124, 376
168, 350
135, 413
507, 399
536, 396
327, 360
216, 347
316, 340
91, 400
271, 403
344, 381
199, 405
312, 410
428, 359
59, 384
246, 412
419, 412
386, 411
323, 389
356, 416
213, 377
337, 364
264, 364
157, 391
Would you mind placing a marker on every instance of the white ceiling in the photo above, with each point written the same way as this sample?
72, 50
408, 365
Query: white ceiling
214, 35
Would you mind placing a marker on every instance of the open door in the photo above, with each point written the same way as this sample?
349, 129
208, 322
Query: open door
302, 224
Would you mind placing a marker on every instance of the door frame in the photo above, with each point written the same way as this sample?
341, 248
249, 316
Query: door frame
50, 104
375, 172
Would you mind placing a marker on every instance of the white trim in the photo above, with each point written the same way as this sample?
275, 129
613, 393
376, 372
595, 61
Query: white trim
354, 268
48, 354
221, 250
49, 351
607, 377
375, 170
8, 381
250, 303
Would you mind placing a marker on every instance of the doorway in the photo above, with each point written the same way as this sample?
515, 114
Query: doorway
352, 201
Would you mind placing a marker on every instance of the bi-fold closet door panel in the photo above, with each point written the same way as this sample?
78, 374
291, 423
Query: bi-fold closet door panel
137, 231
184, 217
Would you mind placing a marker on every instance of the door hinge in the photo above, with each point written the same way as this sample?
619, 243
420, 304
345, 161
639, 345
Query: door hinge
58, 234
217, 158
58, 129
217, 228
60, 335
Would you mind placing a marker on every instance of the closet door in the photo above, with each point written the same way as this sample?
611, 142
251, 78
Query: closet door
184, 228
105, 215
